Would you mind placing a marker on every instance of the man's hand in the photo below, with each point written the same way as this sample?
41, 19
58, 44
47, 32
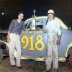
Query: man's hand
8, 39
58, 40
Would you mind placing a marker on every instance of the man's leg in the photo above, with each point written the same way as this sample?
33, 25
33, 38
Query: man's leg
18, 49
49, 56
11, 52
55, 57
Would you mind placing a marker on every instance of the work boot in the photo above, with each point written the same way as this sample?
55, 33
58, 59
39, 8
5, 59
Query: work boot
13, 65
20, 67
48, 70
55, 70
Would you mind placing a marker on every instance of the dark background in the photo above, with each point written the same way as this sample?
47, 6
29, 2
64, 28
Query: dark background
10, 8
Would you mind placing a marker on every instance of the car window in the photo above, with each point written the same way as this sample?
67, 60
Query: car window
40, 23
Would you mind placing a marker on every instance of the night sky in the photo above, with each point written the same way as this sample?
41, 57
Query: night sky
10, 8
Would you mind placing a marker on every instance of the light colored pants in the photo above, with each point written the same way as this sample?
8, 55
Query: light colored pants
52, 53
15, 45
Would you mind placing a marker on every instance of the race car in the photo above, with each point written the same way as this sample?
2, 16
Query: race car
34, 40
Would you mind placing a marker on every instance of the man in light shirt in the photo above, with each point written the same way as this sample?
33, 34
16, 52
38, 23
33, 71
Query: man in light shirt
54, 36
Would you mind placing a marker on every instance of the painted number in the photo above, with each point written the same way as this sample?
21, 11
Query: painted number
38, 45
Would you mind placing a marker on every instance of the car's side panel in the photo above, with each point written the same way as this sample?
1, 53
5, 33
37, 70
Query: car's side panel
34, 43
66, 39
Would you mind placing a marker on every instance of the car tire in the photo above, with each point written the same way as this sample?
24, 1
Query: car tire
1, 55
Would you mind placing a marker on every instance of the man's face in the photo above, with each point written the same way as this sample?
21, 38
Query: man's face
20, 16
50, 16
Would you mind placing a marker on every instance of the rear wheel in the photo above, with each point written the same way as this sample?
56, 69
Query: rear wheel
69, 57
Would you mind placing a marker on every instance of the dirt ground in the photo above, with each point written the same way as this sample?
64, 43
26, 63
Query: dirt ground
31, 66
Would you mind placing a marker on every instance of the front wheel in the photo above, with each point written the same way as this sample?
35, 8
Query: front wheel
1, 55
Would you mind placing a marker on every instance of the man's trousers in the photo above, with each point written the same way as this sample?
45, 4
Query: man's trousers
15, 45
52, 52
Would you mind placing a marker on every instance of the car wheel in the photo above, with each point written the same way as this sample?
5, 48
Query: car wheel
1, 55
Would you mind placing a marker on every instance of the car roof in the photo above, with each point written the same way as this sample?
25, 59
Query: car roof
56, 18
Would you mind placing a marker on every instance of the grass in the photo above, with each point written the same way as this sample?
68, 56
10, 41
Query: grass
31, 66
28, 66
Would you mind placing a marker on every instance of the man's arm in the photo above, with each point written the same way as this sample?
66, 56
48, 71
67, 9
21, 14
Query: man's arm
23, 26
59, 35
11, 26
10, 29
46, 29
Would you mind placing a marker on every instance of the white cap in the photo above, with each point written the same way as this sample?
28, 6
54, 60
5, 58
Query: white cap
51, 11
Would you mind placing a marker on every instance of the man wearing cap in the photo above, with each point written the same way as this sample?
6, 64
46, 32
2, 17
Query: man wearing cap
54, 36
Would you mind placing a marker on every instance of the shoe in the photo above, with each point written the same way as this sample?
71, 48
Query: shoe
55, 70
20, 67
48, 71
13, 65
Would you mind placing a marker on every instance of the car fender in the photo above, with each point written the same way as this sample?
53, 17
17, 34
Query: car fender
68, 48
